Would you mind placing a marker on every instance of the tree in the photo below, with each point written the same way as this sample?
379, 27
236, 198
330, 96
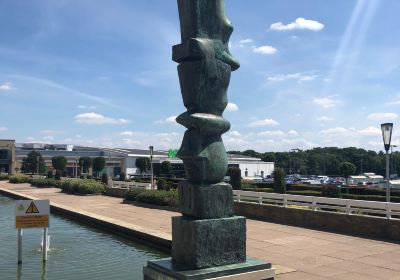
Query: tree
85, 163
33, 163
279, 180
98, 164
59, 163
142, 163
165, 167
346, 169
235, 175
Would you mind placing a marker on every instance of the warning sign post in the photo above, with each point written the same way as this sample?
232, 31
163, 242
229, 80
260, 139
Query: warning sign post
32, 214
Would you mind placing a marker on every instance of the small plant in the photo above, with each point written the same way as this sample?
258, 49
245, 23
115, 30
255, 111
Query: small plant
161, 184
279, 180
19, 179
133, 193
4, 177
104, 178
43, 183
50, 174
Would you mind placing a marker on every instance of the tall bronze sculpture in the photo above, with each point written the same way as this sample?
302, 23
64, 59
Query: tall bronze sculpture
208, 241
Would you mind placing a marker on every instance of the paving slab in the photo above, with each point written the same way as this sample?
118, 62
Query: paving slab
297, 253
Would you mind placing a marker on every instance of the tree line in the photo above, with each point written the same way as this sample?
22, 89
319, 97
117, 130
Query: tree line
327, 161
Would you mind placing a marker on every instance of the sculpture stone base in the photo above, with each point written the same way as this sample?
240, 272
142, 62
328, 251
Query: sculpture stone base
208, 242
206, 202
251, 269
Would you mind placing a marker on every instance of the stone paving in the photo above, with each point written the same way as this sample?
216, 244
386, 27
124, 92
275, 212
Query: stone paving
297, 253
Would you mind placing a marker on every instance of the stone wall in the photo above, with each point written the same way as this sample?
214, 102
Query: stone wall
375, 227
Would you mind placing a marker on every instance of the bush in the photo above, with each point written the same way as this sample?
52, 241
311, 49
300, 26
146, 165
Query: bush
50, 174
133, 193
89, 177
19, 179
82, 186
43, 183
163, 198
331, 191
269, 190
306, 193
279, 180
4, 177
104, 178
162, 185
58, 175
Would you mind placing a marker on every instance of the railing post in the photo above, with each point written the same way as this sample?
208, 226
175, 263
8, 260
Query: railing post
284, 200
260, 198
348, 207
388, 210
238, 196
314, 204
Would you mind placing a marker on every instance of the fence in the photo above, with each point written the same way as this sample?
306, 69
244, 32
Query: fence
130, 185
347, 206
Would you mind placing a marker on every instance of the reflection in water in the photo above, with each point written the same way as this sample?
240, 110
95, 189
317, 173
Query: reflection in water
76, 252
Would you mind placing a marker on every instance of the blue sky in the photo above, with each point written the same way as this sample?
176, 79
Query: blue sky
99, 73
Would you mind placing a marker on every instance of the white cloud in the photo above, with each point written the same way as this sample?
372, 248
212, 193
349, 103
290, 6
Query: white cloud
325, 119
231, 107
265, 49
370, 131
48, 138
326, 102
272, 133
382, 116
169, 120
335, 131
98, 119
234, 133
244, 42
299, 23
6, 86
264, 122
295, 76
2, 128
293, 132
86, 107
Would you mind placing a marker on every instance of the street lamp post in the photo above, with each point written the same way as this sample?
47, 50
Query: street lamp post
151, 166
387, 137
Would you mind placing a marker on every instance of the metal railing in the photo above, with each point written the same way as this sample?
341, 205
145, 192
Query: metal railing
346, 206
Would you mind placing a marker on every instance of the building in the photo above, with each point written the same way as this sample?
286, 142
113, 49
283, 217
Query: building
7, 157
120, 160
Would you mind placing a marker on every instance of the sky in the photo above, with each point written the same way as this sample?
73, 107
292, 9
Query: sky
99, 73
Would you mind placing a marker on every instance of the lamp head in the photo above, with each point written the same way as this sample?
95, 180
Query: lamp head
387, 129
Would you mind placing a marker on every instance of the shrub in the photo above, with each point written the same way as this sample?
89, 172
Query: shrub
4, 177
161, 184
235, 177
104, 178
19, 179
279, 180
43, 183
306, 193
133, 193
269, 190
82, 186
163, 198
89, 177
50, 174
331, 191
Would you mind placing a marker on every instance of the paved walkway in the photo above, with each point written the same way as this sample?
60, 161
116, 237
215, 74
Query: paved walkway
297, 253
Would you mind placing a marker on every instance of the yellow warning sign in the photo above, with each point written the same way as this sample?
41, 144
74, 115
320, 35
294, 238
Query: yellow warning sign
41, 221
32, 209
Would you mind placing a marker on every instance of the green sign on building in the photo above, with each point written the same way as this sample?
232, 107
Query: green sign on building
172, 153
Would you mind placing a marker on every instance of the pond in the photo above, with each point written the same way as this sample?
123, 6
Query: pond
76, 251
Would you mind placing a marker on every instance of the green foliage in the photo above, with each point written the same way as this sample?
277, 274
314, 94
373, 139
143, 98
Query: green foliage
165, 167
32, 161
143, 163
85, 163
305, 192
59, 163
235, 177
331, 191
104, 178
161, 184
4, 177
268, 190
98, 164
82, 186
157, 197
19, 179
279, 180
43, 183
347, 169
50, 174
122, 176
133, 193
58, 175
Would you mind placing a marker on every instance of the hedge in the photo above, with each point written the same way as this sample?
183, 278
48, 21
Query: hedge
4, 177
19, 179
82, 186
42, 183
157, 197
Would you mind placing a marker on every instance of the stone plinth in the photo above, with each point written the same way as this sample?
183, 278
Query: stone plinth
208, 242
166, 269
206, 202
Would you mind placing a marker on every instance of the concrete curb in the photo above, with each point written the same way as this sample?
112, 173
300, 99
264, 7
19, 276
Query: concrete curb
129, 231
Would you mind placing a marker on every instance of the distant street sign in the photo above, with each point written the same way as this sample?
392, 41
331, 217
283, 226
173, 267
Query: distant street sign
172, 153
32, 213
